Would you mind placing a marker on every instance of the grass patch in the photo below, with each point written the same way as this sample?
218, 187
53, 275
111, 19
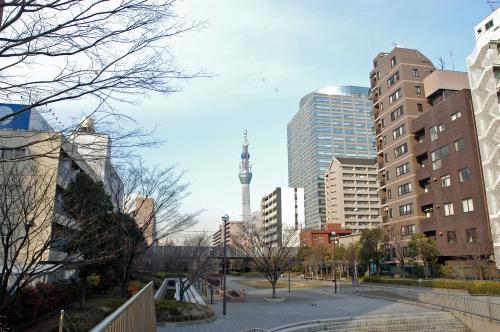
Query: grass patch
174, 311
475, 287
262, 283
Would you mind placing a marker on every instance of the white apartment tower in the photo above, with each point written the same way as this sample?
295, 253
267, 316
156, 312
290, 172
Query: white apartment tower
282, 211
484, 78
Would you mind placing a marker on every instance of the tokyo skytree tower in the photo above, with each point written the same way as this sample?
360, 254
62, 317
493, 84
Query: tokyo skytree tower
245, 178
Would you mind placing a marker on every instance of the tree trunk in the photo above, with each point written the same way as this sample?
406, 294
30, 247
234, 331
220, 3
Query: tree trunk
273, 284
83, 292
404, 270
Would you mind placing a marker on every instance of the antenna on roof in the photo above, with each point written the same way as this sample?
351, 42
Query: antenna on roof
442, 64
394, 44
452, 62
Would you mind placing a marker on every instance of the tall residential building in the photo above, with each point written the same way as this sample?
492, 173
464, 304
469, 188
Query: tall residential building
450, 186
351, 192
398, 98
144, 213
282, 211
331, 122
245, 178
484, 76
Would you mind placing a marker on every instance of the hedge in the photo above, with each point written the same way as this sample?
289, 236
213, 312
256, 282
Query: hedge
475, 287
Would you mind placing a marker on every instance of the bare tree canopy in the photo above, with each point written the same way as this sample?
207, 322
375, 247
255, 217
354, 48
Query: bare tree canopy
271, 259
52, 51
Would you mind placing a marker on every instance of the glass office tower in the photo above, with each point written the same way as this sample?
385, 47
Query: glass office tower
332, 122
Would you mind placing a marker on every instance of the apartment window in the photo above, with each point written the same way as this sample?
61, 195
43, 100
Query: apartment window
489, 24
452, 237
394, 78
471, 235
417, 89
434, 130
384, 140
404, 189
11, 154
378, 75
420, 107
391, 215
402, 169
415, 72
386, 158
387, 175
379, 90
464, 174
389, 193
398, 131
392, 233
408, 230
445, 181
381, 106
395, 96
467, 205
437, 155
405, 209
400, 150
393, 61
382, 123
397, 113
448, 209
459, 144
455, 116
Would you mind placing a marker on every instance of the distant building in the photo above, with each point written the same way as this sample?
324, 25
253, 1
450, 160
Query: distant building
145, 216
450, 189
484, 76
282, 211
351, 192
331, 122
234, 231
323, 237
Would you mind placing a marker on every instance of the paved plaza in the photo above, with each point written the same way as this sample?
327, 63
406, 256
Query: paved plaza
301, 305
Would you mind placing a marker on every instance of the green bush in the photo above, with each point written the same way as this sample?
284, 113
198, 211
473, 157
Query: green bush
474, 287
174, 311
235, 273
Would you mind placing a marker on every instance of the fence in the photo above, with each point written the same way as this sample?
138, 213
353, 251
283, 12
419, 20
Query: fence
445, 300
135, 315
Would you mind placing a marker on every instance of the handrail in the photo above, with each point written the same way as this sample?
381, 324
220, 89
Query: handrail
456, 302
137, 314
160, 293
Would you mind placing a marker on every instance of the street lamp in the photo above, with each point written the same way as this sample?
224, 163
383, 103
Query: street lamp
225, 219
334, 234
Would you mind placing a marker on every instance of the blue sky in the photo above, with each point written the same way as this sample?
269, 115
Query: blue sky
265, 56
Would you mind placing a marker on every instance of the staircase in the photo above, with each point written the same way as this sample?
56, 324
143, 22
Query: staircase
430, 321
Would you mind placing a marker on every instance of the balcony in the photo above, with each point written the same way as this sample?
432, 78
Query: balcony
426, 198
380, 164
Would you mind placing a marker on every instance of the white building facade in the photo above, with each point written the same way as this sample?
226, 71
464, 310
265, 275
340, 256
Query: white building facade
484, 78
282, 211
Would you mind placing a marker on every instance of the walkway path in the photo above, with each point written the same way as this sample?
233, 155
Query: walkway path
301, 305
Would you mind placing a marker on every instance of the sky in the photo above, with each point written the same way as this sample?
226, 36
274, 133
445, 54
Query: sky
264, 56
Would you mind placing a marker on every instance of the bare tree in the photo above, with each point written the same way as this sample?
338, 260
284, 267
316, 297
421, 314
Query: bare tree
271, 258
64, 50
399, 245
191, 262
151, 197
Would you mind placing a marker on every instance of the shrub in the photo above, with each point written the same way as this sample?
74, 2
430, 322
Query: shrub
474, 287
34, 302
235, 273
134, 287
173, 311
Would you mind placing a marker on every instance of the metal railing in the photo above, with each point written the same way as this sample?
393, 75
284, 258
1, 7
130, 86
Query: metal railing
135, 315
445, 300
160, 293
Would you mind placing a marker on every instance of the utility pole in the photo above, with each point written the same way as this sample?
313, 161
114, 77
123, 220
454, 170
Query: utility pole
334, 235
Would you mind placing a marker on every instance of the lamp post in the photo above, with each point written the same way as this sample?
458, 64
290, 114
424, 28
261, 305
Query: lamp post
334, 265
225, 219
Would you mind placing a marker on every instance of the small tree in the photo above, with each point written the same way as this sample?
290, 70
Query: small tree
351, 255
191, 264
370, 247
424, 249
399, 245
269, 258
315, 257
